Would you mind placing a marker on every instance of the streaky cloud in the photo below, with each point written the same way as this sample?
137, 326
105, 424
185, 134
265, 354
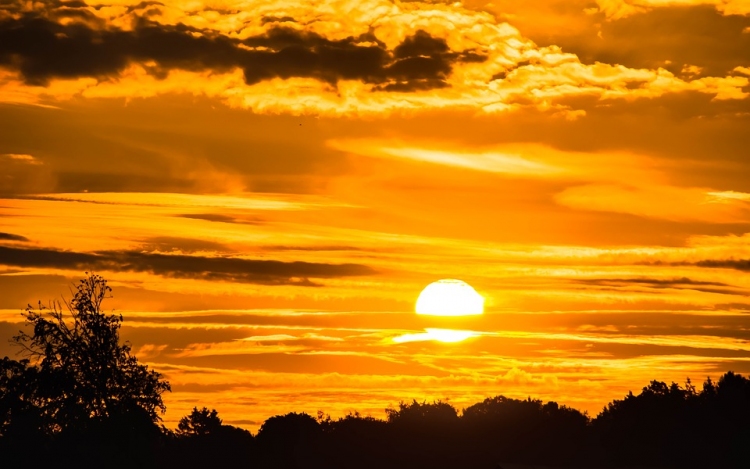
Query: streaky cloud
231, 269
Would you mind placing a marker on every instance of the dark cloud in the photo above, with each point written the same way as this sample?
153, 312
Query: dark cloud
177, 244
42, 48
743, 307
683, 283
267, 272
692, 35
736, 264
650, 281
279, 19
12, 237
242, 422
218, 218
312, 248
88, 181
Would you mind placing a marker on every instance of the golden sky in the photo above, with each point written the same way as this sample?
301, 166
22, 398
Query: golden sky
268, 185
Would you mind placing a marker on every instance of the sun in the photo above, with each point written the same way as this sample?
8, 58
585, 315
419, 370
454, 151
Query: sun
450, 297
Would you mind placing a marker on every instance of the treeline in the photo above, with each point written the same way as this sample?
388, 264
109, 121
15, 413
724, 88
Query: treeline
80, 399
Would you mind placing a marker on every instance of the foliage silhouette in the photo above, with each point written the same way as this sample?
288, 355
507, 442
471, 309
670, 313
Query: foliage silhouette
78, 383
526, 430
199, 422
202, 441
671, 425
288, 441
83, 373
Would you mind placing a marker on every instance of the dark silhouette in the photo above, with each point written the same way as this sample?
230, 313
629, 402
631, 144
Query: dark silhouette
79, 387
199, 423
289, 441
203, 441
79, 398
527, 431
670, 425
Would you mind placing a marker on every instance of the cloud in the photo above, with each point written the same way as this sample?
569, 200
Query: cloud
237, 347
656, 200
729, 196
43, 49
323, 248
386, 57
494, 162
646, 194
736, 264
218, 218
689, 341
519, 159
22, 172
266, 272
253, 201
438, 335
266, 344
683, 283
149, 351
617, 9
12, 237
22, 158
174, 244
689, 41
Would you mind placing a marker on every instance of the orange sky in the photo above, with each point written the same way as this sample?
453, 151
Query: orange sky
268, 186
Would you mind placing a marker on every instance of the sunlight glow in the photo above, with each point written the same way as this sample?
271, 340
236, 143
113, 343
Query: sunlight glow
450, 297
440, 335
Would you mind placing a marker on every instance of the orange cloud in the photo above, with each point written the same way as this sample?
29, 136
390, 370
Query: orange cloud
617, 9
659, 202
482, 64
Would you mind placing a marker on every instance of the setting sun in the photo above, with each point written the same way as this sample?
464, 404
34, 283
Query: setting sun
449, 297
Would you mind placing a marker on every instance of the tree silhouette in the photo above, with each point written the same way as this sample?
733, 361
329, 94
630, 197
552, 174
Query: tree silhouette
525, 430
77, 373
289, 441
199, 423
202, 440
435, 413
19, 418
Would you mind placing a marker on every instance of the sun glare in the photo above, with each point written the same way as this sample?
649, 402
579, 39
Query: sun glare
449, 336
449, 297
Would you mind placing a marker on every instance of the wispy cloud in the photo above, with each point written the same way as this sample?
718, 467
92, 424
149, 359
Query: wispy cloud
23, 158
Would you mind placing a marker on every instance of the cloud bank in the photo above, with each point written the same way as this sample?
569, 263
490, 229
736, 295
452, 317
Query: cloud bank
302, 59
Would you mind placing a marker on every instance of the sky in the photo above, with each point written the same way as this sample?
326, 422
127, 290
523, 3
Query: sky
269, 185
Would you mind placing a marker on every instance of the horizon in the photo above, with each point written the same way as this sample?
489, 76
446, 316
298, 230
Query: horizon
269, 186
